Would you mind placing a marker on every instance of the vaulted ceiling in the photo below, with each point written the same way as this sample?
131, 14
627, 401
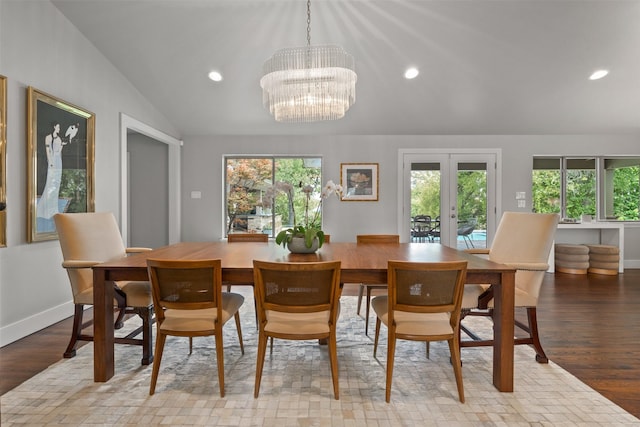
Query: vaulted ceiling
486, 67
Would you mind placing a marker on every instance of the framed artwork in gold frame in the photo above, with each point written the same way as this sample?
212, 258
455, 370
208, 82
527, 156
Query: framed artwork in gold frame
60, 162
360, 181
3, 161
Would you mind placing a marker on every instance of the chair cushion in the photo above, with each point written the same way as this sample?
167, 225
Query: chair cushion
201, 320
85, 297
297, 323
521, 299
471, 294
413, 323
138, 293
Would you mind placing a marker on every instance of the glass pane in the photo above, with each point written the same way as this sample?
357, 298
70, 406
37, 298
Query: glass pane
472, 205
580, 190
299, 172
246, 181
425, 202
249, 181
621, 181
546, 190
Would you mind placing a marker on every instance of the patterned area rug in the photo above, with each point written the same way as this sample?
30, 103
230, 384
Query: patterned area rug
296, 386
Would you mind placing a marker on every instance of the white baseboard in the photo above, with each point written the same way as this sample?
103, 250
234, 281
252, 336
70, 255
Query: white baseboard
632, 263
31, 324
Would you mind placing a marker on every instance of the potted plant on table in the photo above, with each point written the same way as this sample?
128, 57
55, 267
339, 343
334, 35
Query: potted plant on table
306, 237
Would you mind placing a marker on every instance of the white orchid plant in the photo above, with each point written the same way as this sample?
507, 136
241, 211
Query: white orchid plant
311, 228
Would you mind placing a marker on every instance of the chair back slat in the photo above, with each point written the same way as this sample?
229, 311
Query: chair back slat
311, 289
377, 238
297, 287
247, 237
426, 287
185, 284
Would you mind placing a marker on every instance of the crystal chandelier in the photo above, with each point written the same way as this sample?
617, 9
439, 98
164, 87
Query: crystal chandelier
309, 84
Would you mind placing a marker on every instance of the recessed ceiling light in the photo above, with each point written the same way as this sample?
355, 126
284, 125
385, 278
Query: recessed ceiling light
411, 73
215, 76
598, 74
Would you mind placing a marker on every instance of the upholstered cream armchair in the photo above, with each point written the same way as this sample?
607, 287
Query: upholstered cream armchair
522, 241
87, 239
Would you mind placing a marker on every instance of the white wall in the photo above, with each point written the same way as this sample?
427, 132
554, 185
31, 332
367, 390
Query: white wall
202, 218
40, 48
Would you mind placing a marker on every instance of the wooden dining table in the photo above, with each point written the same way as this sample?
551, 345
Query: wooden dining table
360, 263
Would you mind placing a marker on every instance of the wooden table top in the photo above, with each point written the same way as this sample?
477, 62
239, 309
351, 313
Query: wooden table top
355, 258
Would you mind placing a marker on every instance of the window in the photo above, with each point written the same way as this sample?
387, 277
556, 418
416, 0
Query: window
247, 181
621, 188
607, 188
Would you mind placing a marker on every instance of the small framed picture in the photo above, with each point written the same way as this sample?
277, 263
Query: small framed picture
60, 162
360, 181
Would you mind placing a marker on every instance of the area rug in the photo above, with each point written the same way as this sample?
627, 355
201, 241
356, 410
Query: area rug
296, 386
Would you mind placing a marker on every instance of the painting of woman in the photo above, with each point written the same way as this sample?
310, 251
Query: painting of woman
48, 204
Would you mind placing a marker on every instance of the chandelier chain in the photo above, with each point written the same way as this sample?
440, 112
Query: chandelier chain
308, 22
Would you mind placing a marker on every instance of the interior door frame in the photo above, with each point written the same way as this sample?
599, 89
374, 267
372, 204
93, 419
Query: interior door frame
404, 185
174, 146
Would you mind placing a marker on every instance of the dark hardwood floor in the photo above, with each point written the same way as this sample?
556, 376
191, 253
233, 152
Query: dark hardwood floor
589, 325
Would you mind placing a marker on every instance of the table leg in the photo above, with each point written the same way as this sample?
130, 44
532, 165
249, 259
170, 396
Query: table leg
103, 333
503, 330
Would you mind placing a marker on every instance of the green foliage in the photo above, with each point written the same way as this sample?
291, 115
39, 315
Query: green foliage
472, 197
293, 171
546, 191
425, 193
626, 196
309, 233
245, 178
581, 192
73, 186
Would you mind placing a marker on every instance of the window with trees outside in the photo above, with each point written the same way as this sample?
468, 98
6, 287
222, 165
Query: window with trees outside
606, 188
250, 180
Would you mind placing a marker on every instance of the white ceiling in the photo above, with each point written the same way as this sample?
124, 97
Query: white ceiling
486, 67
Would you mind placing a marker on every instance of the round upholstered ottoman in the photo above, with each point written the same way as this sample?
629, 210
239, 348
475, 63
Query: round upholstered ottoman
604, 259
571, 258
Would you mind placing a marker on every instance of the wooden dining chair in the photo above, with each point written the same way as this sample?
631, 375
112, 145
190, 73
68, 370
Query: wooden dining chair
376, 239
245, 238
423, 304
189, 302
297, 301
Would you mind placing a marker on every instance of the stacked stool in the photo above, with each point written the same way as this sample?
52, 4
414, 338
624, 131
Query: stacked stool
571, 259
604, 259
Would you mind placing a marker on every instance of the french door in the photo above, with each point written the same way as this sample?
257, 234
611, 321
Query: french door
456, 191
